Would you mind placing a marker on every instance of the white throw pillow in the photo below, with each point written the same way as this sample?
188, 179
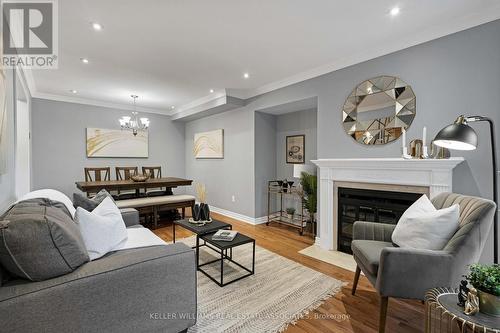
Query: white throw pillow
53, 195
422, 226
103, 229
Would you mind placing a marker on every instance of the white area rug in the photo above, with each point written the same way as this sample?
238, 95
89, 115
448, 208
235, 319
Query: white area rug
336, 258
279, 293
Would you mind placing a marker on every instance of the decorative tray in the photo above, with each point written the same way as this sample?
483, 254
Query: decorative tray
201, 223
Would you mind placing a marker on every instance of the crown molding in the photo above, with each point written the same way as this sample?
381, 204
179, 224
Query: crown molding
94, 102
214, 103
200, 101
432, 33
202, 107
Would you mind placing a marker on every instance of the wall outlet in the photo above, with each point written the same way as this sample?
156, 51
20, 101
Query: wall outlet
233, 198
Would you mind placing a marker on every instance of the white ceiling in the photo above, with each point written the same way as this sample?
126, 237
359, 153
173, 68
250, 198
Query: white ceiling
173, 52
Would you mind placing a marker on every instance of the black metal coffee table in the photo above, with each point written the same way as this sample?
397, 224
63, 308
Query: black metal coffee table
222, 249
200, 230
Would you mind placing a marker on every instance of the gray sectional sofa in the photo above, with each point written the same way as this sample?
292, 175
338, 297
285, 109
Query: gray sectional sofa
151, 289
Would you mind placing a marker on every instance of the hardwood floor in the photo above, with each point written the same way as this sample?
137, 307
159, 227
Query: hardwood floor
341, 313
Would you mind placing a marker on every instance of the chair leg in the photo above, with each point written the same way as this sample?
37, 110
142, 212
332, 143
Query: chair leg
356, 279
384, 301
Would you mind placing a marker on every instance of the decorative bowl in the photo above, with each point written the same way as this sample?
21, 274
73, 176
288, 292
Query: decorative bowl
139, 178
200, 222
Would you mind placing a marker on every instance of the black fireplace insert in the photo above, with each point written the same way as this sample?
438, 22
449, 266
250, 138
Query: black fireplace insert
368, 205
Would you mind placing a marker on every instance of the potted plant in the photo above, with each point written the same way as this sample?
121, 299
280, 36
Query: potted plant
290, 211
310, 187
486, 279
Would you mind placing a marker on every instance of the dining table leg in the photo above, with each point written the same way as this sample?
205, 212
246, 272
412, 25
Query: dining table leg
155, 217
173, 231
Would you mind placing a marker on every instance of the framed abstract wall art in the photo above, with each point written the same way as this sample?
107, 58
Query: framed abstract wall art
209, 144
103, 142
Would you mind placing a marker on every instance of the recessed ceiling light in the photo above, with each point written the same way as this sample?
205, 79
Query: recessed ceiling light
172, 107
73, 91
96, 26
211, 91
84, 60
395, 11
246, 75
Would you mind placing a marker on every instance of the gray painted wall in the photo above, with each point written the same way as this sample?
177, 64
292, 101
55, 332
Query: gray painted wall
452, 75
270, 151
265, 159
59, 152
7, 184
295, 123
232, 175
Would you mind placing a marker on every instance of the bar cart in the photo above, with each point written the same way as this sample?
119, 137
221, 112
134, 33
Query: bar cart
284, 190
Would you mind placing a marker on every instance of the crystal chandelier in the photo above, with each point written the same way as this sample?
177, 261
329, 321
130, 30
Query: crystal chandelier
134, 123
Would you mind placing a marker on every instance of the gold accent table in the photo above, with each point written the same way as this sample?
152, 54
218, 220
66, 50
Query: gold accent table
299, 220
442, 314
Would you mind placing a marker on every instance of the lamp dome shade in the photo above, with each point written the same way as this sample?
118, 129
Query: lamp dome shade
457, 136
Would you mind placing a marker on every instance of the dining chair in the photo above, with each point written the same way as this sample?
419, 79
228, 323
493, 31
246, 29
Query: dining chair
154, 172
125, 173
97, 175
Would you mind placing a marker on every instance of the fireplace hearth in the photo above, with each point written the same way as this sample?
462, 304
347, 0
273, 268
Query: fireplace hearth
356, 204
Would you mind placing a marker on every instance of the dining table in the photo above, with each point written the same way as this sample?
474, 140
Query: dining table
129, 184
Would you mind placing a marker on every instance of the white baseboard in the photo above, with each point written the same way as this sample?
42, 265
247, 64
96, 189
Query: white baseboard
239, 217
261, 220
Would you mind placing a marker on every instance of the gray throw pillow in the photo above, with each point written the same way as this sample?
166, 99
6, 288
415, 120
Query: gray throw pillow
39, 240
89, 204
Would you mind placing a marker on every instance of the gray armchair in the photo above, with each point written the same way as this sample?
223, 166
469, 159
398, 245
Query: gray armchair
409, 273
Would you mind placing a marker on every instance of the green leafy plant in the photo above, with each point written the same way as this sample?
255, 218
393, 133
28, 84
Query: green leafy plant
485, 278
310, 187
290, 210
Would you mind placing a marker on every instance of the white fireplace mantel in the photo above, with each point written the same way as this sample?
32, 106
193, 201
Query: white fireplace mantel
434, 174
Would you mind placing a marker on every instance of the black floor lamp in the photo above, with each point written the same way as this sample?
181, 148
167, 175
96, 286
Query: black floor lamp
461, 136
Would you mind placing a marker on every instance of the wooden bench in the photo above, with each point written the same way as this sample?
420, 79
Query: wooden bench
167, 201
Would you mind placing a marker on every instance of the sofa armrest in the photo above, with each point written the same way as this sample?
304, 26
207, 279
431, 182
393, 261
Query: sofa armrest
130, 216
150, 289
372, 231
409, 273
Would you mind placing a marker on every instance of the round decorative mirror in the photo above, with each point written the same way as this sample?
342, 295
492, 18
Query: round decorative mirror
378, 109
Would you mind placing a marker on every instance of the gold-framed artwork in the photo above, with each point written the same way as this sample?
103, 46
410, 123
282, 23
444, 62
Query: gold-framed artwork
102, 142
295, 149
209, 145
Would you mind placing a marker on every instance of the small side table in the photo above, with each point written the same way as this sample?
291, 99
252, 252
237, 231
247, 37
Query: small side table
200, 230
442, 314
223, 248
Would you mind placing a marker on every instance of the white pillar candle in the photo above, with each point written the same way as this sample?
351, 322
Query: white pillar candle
424, 137
404, 138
